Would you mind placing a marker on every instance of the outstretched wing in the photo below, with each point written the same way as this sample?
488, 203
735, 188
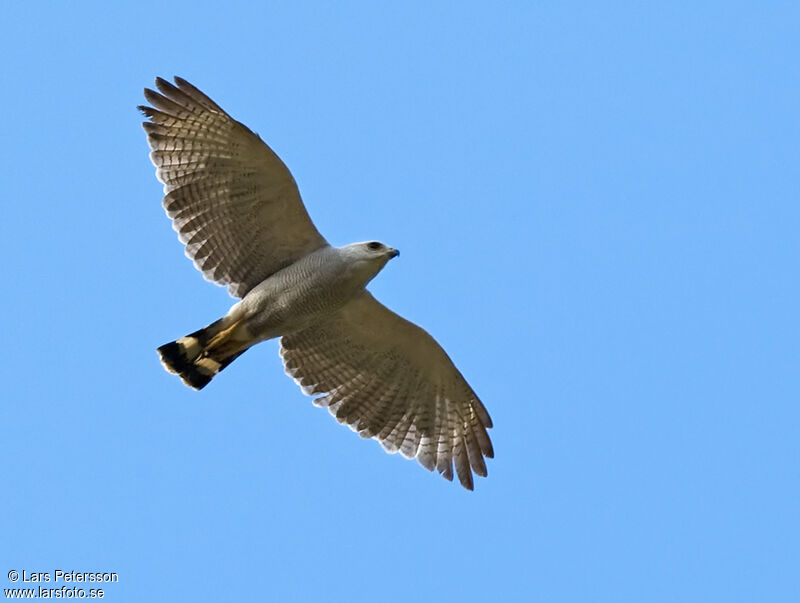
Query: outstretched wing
388, 379
231, 199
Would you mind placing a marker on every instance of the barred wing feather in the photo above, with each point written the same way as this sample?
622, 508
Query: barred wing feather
231, 199
389, 380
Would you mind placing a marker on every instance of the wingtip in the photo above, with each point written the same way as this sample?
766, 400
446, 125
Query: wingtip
151, 96
466, 479
481, 470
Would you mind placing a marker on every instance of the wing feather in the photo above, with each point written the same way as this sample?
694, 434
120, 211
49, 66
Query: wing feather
233, 202
389, 380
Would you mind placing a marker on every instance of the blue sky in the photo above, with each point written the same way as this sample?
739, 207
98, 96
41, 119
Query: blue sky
598, 213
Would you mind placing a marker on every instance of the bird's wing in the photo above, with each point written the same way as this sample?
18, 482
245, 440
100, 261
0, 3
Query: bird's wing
231, 199
388, 379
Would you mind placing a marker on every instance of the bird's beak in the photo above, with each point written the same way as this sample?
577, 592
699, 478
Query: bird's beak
394, 253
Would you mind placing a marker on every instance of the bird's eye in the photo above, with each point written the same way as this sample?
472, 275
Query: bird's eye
374, 246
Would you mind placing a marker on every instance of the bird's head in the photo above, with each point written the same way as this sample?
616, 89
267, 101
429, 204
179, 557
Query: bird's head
368, 258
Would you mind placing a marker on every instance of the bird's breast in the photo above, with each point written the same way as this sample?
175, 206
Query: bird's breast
296, 297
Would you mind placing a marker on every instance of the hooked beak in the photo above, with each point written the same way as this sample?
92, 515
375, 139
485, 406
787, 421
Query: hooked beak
394, 253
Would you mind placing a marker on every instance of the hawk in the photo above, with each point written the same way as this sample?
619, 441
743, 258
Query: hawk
237, 209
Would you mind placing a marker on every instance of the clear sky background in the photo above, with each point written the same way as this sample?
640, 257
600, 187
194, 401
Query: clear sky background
598, 211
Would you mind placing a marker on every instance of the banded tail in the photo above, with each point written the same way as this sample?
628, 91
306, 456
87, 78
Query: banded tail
199, 356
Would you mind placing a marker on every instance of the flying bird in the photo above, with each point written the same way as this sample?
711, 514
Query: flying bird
237, 209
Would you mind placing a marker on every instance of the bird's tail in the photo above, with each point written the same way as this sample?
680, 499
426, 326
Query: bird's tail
199, 356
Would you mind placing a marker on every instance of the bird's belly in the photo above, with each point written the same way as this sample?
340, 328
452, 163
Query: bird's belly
273, 309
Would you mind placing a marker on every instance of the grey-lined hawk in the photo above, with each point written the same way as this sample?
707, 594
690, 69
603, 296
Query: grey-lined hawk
237, 209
